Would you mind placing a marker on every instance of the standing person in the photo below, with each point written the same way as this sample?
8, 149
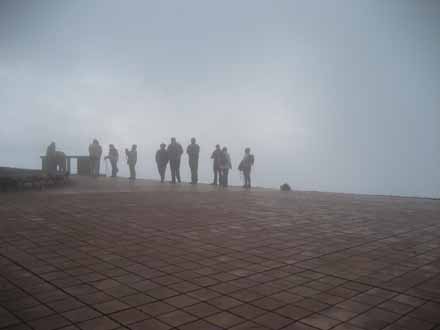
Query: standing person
193, 151
215, 157
162, 161
246, 166
51, 158
224, 166
113, 156
95, 153
132, 160
175, 152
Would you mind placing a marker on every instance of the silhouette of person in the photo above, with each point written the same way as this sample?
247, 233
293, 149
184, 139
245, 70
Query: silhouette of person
162, 161
95, 153
131, 161
245, 166
175, 152
51, 158
113, 156
215, 157
224, 166
193, 151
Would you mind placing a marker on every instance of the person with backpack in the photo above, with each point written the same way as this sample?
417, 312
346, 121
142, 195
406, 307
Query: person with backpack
245, 166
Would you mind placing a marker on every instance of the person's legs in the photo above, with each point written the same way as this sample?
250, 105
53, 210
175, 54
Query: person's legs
193, 166
134, 171
225, 177
221, 177
173, 171
114, 168
178, 170
216, 172
130, 168
92, 167
96, 170
247, 177
196, 171
161, 169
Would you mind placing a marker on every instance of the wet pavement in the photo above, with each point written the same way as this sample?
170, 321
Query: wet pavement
103, 254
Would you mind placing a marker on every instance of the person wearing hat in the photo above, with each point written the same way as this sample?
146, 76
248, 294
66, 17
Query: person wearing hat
193, 151
162, 161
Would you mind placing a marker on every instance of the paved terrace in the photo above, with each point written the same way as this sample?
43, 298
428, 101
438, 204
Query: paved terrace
104, 254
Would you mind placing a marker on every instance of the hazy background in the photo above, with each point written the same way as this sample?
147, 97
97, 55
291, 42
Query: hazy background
330, 95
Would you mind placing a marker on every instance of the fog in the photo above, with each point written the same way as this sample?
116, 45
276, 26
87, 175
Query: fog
329, 95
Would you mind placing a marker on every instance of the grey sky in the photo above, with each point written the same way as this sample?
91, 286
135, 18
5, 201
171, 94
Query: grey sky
337, 95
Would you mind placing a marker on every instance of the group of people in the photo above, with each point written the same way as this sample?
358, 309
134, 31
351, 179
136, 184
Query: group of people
221, 162
171, 154
95, 154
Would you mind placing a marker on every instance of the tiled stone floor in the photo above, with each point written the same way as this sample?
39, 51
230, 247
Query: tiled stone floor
179, 258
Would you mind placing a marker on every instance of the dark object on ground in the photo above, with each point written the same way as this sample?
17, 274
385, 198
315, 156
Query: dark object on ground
285, 187
18, 178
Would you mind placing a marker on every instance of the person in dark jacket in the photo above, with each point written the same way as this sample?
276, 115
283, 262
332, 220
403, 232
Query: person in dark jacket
131, 161
246, 166
162, 161
95, 153
215, 162
175, 152
113, 156
193, 151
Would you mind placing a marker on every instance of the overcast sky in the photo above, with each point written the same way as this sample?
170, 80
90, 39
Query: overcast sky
339, 95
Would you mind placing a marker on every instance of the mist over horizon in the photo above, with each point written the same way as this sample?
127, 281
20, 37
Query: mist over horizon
337, 96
